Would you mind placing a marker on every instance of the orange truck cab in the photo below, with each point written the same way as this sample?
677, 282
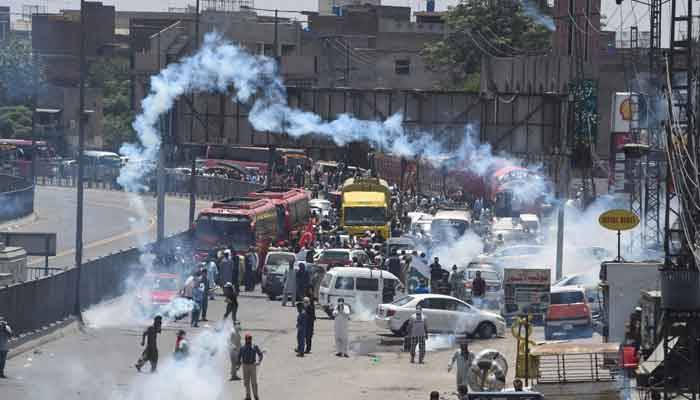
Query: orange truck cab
568, 314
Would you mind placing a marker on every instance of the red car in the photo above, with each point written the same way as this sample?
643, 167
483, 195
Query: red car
160, 292
569, 313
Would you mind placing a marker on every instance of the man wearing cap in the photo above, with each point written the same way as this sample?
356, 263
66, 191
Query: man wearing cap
5, 333
150, 353
249, 358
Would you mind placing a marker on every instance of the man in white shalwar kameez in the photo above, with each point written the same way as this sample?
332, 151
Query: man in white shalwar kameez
341, 322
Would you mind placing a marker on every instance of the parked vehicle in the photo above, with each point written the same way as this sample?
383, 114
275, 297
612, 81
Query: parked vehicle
160, 290
320, 206
274, 269
568, 314
444, 314
518, 255
590, 284
341, 257
363, 289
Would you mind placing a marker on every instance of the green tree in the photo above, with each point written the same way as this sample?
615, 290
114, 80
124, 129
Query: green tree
483, 28
20, 75
15, 122
112, 76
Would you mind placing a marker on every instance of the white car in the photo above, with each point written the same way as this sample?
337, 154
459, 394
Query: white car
443, 314
520, 255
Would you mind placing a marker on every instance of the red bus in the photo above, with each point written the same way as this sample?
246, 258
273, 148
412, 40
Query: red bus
292, 210
238, 223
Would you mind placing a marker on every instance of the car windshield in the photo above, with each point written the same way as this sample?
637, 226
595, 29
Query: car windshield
403, 301
111, 161
566, 297
165, 284
364, 215
335, 255
282, 259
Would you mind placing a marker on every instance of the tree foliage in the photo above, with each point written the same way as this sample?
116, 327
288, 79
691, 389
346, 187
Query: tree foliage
112, 76
20, 74
15, 122
483, 28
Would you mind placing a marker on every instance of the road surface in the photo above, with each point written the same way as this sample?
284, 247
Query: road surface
99, 362
111, 221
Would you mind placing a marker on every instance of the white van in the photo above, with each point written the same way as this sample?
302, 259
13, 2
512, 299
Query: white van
362, 289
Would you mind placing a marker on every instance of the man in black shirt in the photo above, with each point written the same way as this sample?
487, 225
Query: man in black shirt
150, 353
249, 358
231, 299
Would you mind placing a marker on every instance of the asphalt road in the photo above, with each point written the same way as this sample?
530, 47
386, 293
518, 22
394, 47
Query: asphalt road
111, 221
98, 363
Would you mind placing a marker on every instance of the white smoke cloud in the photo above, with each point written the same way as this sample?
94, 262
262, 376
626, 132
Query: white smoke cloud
221, 66
459, 251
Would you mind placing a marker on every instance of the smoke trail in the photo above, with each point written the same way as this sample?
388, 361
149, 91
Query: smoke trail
533, 12
220, 65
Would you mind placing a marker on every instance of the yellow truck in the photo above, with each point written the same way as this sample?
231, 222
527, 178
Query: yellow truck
366, 206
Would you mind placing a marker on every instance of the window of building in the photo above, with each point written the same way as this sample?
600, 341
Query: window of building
402, 67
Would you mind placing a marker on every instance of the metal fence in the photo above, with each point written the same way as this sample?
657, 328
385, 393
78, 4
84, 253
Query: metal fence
16, 197
32, 305
176, 184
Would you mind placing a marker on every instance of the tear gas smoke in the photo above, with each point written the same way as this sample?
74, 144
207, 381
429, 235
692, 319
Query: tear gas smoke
220, 65
533, 12
459, 250
196, 376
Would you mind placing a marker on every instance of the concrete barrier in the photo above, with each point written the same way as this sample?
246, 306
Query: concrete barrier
16, 197
31, 306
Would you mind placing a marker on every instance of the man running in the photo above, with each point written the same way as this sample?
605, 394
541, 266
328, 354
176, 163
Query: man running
150, 353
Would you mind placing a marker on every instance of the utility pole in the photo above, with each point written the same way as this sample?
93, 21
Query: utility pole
160, 171
347, 63
81, 149
193, 170
276, 41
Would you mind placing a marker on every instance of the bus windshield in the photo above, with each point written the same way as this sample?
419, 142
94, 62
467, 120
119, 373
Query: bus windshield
224, 229
365, 215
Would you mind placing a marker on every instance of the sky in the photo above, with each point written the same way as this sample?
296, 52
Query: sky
619, 17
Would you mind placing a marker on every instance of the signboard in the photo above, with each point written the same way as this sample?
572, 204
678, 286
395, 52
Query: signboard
618, 220
35, 244
628, 112
531, 276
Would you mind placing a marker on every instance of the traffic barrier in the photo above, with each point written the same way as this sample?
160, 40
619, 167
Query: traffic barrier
30, 306
16, 197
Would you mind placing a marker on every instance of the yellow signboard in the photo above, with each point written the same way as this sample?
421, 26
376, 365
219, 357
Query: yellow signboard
618, 220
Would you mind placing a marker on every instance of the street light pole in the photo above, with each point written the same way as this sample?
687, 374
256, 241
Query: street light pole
193, 170
81, 148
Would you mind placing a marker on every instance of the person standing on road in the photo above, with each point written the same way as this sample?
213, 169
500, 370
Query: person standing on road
231, 298
341, 316
250, 358
478, 290
301, 329
463, 358
5, 333
303, 280
418, 332
234, 348
197, 293
290, 285
310, 308
150, 353
205, 296
249, 271
457, 283
435, 275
